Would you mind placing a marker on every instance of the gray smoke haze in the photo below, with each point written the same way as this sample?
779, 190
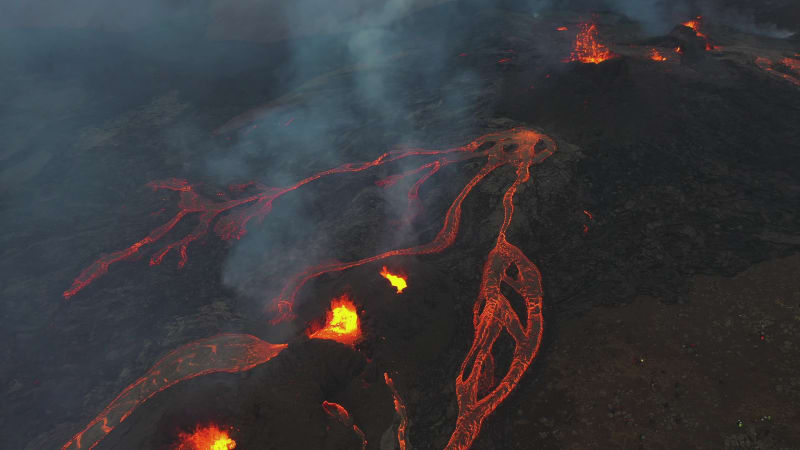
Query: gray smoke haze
99, 97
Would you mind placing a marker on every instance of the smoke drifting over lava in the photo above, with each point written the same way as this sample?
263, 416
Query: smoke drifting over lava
136, 134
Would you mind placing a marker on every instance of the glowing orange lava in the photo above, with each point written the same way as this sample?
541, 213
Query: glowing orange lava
517, 148
342, 323
561, 29
695, 24
221, 353
767, 65
399, 282
587, 49
338, 412
400, 409
655, 55
205, 438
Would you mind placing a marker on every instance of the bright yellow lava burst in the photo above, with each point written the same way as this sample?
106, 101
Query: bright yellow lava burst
342, 324
397, 281
223, 443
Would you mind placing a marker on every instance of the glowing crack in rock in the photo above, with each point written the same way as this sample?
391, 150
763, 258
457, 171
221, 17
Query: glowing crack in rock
478, 395
400, 409
587, 48
399, 282
209, 437
338, 412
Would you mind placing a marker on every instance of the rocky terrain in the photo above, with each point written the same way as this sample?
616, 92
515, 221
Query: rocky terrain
665, 229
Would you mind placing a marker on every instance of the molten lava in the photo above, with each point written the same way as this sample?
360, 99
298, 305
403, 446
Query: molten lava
655, 55
477, 393
768, 65
221, 353
400, 409
205, 438
397, 281
338, 412
342, 323
695, 24
587, 48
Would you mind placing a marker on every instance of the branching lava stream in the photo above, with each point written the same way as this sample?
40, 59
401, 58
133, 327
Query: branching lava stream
492, 312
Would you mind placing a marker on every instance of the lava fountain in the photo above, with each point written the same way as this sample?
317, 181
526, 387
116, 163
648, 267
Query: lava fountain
587, 48
477, 393
399, 282
210, 437
342, 324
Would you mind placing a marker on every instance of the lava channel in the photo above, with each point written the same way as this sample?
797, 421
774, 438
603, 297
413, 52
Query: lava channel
338, 412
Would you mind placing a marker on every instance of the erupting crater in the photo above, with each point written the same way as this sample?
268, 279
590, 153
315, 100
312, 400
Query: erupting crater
587, 48
342, 324
696, 24
478, 392
210, 437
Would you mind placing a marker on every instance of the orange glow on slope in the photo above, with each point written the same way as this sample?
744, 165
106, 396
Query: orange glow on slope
400, 409
206, 438
766, 64
342, 324
561, 29
587, 49
338, 412
399, 282
221, 353
791, 63
656, 56
695, 24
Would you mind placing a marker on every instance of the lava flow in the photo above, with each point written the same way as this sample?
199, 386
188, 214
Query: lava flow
399, 282
587, 48
341, 324
791, 64
205, 438
221, 353
338, 412
243, 209
505, 265
400, 409
655, 55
